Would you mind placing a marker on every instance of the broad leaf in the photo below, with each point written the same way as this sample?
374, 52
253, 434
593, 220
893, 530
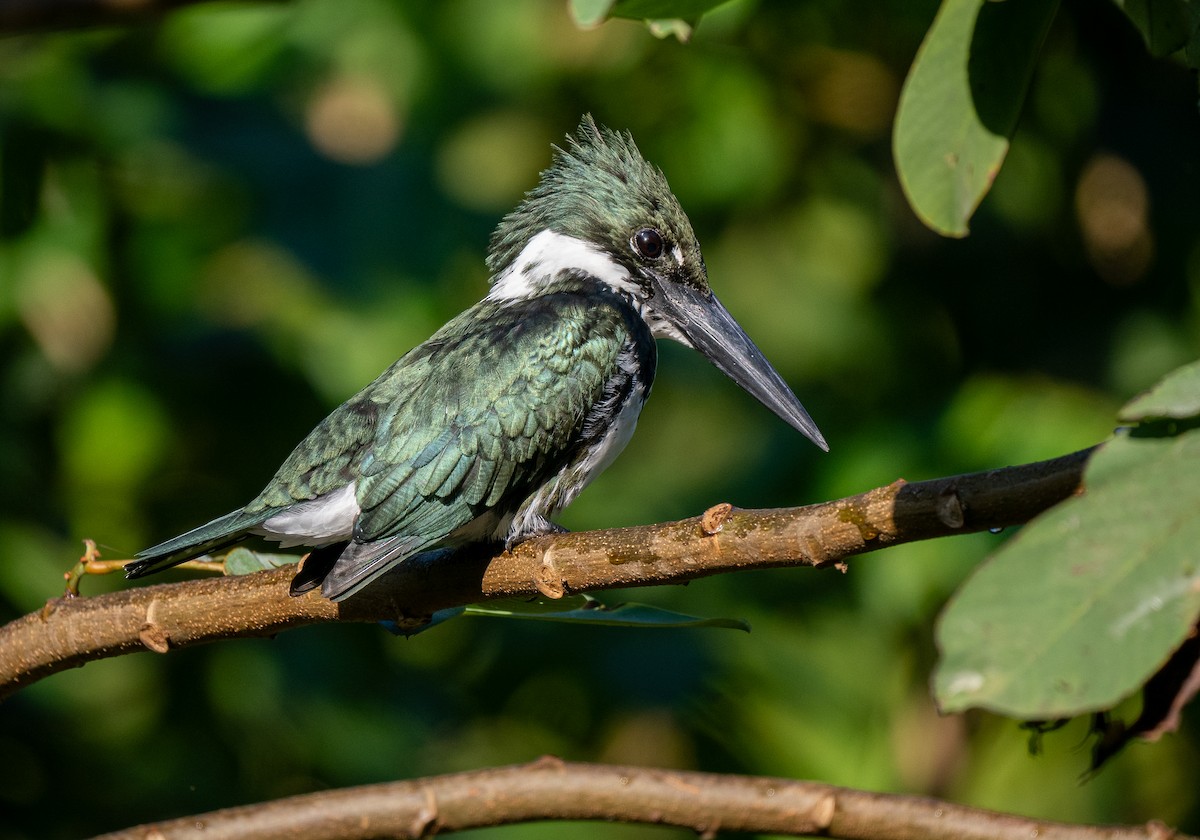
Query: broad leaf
590, 12
1086, 603
1176, 397
1163, 699
960, 104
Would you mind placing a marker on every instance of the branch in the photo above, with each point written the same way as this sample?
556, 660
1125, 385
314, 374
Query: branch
69, 632
550, 789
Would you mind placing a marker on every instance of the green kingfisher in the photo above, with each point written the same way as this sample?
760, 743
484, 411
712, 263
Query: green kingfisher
492, 426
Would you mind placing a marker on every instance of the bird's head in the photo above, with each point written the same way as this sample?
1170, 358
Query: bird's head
602, 209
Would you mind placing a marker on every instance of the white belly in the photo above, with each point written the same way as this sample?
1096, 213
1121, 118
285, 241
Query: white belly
535, 515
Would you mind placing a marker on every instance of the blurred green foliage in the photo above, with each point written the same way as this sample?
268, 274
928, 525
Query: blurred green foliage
217, 225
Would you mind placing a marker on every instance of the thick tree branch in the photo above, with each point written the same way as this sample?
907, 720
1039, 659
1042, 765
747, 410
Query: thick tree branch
72, 631
553, 790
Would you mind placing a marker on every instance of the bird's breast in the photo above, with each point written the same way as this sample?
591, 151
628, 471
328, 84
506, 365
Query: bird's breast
607, 428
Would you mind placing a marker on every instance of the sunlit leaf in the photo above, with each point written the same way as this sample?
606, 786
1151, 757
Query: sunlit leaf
960, 104
1176, 397
1086, 603
590, 12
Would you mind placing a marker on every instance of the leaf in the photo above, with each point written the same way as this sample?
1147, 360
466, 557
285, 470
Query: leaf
1087, 602
960, 103
589, 13
1168, 692
579, 609
585, 609
243, 561
1175, 397
1163, 699
1166, 25
664, 18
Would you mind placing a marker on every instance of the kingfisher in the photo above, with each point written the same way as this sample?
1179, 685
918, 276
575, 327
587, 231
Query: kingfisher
491, 427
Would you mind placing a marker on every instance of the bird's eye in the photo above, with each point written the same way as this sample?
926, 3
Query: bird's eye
649, 243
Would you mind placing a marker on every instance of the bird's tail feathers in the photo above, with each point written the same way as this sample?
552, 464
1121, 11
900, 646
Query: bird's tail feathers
362, 563
221, 532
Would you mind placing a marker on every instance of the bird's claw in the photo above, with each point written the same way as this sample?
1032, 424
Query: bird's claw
541, 529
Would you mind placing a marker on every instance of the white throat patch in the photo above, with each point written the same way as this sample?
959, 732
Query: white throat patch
545, 256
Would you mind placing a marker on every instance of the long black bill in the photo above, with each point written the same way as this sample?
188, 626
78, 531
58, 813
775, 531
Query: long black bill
708, 326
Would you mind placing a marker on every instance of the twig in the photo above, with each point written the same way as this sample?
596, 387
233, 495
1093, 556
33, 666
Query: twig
550, 789
69, 632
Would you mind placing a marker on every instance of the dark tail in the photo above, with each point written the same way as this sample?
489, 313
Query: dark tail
222, 532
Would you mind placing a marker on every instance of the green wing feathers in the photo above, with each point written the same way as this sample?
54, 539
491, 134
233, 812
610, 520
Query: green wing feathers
221, 532
487, 411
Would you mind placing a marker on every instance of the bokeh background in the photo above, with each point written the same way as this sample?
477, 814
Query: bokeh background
218, 224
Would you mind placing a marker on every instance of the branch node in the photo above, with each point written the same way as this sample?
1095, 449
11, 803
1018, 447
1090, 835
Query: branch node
548, 762
51, 605
1157, 830
424, 824
714, 519
548, 579
950, 509
854, 512
823, 812
90, 555
154, 637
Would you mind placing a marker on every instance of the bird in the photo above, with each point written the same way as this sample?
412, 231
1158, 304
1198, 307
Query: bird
492, 426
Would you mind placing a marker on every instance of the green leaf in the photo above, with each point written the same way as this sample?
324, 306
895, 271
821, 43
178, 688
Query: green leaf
589, 13
664, 18
1166, 25
1176, 397
243, 561
585, 609
1086, 603
960, 104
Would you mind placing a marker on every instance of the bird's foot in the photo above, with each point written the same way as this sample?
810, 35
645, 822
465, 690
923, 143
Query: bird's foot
538, 527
